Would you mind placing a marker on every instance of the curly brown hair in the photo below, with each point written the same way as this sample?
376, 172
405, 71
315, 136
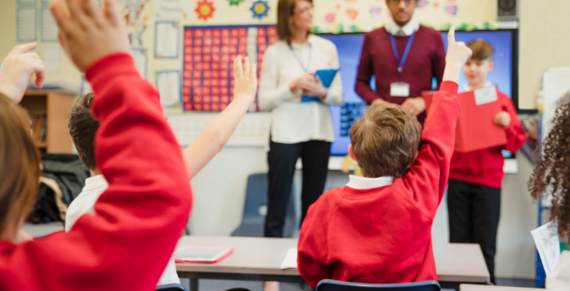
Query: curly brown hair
552, 173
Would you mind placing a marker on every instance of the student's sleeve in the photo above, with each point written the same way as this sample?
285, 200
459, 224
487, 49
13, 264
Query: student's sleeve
334, 93
516, 135
312, 249
428, 176
139, 218
438, 60
270, 93
365, 73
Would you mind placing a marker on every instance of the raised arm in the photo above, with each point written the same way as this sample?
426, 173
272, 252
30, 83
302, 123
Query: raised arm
217, 133
430, 172
17, 69
140, 217
365, 73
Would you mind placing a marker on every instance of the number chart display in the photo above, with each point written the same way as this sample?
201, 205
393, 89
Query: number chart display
208, 56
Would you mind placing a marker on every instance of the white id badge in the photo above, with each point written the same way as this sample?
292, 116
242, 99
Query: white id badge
400, 89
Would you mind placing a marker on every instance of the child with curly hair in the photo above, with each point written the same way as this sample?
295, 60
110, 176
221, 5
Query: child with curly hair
552, 175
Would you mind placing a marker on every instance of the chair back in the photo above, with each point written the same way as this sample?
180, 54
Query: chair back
334, 285
171, 287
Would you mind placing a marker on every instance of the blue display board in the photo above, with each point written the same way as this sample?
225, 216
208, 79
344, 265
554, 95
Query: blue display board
349, 47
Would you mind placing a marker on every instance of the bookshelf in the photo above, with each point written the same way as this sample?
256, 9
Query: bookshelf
54, 107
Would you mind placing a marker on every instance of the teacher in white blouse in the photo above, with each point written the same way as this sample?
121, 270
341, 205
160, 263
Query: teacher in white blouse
298, 129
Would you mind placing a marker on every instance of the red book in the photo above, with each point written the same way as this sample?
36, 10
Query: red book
475, 127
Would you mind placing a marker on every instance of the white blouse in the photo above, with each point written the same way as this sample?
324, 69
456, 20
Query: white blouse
559, 279
291, 120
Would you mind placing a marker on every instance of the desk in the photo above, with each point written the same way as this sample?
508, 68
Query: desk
466, 287
259, 259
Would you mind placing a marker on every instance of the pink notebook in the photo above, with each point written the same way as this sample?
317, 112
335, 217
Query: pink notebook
202, 254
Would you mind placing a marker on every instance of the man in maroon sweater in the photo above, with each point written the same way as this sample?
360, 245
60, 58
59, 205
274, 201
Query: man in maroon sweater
400, 78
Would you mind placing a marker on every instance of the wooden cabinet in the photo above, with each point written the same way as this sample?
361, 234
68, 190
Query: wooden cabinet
55, 106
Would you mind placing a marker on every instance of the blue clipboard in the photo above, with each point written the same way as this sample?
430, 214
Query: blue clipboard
326, 76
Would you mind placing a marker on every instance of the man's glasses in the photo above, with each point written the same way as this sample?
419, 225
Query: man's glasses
396, 2
304, 10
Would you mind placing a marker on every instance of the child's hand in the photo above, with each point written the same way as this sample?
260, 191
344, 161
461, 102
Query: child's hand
17, 69
245, 78
457, 54
502, 119
89, 33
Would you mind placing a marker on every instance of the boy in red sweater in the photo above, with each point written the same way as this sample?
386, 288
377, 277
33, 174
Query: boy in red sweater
377, 229
474, 194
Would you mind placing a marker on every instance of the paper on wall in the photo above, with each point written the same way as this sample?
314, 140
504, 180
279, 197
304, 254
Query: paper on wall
26, 24
290, 261
548, 245
172, 9
166, 40
48, 26
52, 58
168, 84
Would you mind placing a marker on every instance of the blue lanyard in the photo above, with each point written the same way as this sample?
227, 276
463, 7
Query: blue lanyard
299, 60
408, 46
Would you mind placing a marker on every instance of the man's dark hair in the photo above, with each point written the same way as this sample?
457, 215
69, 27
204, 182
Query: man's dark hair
82, 127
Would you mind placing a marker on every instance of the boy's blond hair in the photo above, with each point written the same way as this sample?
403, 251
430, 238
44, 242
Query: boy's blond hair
482, 50
385, 141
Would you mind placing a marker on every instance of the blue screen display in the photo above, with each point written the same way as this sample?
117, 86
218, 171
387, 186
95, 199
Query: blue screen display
349, 47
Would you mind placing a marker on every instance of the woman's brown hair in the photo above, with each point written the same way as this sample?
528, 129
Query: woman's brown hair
284, 12
552, 173
19, 165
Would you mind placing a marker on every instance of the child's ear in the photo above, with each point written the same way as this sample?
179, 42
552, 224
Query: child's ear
350, 152
413, 160
491, 65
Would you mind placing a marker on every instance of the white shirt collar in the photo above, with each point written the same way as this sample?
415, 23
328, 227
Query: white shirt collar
308, 43
361, 183
95, 182
408, 29
466, 88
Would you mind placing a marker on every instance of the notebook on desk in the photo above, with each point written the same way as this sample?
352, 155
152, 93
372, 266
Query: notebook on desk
201, 254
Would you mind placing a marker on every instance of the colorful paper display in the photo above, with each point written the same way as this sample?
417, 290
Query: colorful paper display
208, 56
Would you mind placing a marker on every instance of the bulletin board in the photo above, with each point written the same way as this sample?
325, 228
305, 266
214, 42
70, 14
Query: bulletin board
209, 52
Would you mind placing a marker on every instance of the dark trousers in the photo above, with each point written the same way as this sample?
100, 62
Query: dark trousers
474, 212
282, 158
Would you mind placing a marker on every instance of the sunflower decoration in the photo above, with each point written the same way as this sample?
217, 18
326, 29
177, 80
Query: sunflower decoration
205, 9
259, 9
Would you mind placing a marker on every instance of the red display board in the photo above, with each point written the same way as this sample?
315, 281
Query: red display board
208, 56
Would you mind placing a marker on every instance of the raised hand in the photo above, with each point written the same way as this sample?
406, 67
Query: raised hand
17, 69
457, 54
89, 33
245, 79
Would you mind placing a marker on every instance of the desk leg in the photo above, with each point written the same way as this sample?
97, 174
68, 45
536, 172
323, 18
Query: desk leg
193, 284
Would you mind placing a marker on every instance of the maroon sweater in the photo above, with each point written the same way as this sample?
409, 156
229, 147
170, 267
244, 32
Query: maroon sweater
425, 61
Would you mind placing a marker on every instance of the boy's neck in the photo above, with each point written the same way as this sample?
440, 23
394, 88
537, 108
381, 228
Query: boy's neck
478, 85
95, 172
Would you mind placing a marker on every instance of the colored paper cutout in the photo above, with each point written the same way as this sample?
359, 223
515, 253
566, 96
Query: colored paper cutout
330, 17
235, 2
352, 13
205, 10
260, 9
422, 3
375, 11
451, 9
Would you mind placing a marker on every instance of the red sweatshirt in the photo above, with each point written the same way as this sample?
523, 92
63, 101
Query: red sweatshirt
140, 217
425, 61
383, 235
485, 167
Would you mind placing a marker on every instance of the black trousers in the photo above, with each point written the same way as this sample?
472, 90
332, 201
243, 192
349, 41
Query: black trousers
282, 159
474, 212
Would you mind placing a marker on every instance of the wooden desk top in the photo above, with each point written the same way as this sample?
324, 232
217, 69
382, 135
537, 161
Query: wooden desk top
467, 287
454, 262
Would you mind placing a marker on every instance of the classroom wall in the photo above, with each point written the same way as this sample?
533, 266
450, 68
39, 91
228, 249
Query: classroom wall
544, 43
